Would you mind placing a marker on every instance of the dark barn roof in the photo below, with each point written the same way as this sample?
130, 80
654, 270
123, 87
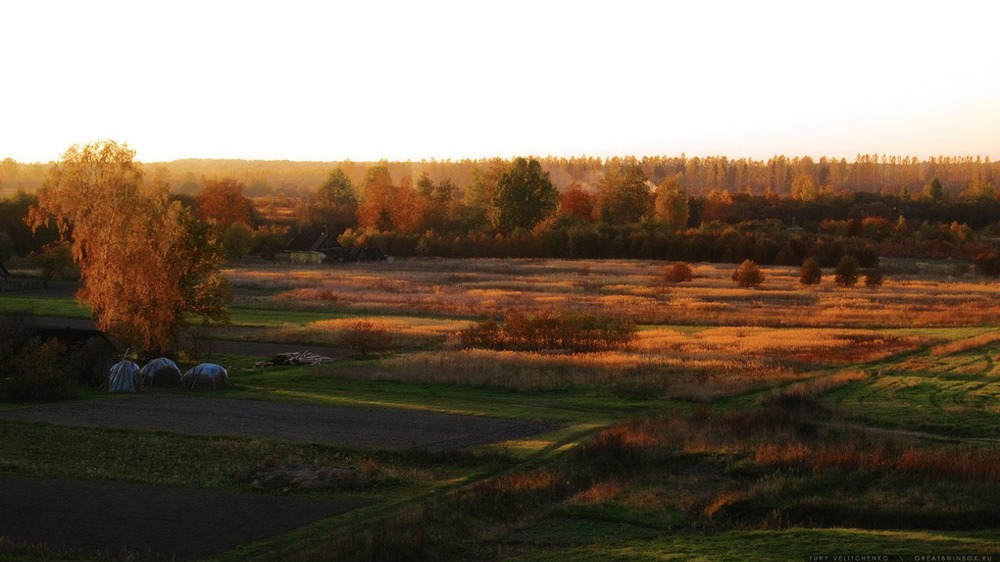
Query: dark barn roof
90, 354
71, 337
354, 254
312, 241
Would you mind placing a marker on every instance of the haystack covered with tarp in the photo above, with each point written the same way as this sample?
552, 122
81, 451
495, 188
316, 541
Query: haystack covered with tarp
160, 372
206, 376
124, 377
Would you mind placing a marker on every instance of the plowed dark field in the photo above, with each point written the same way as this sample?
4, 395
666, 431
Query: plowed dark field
379, 428
154, 522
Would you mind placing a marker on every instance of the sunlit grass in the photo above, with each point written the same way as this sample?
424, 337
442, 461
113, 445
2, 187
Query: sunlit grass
66, 307
620, 288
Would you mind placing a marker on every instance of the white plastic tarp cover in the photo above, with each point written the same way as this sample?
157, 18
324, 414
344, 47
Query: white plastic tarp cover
159, 369
124, 377
206, 375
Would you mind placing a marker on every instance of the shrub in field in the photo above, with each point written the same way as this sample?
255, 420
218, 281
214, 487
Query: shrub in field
846, 272
811, 273
678, 273
31, 369
988, 263
548, 331
485, 335
748, 275
365, 336
873, 278
619, 450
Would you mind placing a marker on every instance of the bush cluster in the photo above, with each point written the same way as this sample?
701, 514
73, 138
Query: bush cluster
810, 273
847, 271
678, 273
988, 263
32, 369
364, 337
550, 331
748, 275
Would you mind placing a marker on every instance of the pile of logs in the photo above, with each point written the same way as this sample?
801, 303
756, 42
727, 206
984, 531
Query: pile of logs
294, 358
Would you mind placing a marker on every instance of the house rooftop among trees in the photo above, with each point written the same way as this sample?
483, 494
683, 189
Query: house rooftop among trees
315, 247
308, 246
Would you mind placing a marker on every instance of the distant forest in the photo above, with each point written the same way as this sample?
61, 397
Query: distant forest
893, 175
780, 211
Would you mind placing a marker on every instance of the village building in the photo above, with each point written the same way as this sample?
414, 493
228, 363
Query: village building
316, 247
311, 247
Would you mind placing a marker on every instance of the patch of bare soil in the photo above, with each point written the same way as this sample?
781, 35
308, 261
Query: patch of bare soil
128, 521
379, 428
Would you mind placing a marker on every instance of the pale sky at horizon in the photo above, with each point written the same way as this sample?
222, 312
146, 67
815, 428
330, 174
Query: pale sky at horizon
302, 80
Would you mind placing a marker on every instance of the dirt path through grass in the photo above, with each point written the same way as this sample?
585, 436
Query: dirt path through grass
911, 434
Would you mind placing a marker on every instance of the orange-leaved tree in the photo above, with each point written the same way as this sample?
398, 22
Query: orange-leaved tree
145, 261
222, 201
385, 206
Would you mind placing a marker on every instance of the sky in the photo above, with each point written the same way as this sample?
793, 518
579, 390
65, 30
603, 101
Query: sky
429, 79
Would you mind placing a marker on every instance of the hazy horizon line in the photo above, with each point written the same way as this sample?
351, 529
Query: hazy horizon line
983, 156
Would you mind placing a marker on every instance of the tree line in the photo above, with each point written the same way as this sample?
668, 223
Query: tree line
779, 176
650, 208
513, 209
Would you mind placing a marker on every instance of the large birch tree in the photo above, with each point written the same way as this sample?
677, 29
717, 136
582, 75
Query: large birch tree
146, 263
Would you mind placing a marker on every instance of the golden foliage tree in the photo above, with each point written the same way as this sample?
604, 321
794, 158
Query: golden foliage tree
804, 187
145, 262
222, 201
624, 196
385, 206
670, 205
577, 202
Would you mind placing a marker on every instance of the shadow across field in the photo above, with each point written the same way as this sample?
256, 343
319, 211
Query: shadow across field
381, 428
145, 522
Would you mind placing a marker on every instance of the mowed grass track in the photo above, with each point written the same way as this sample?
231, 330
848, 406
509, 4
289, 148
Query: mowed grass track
956, 395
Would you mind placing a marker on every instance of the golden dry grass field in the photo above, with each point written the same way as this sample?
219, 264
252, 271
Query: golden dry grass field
912, 295
696, 340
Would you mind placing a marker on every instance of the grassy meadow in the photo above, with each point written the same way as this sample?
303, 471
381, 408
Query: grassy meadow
760, 424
